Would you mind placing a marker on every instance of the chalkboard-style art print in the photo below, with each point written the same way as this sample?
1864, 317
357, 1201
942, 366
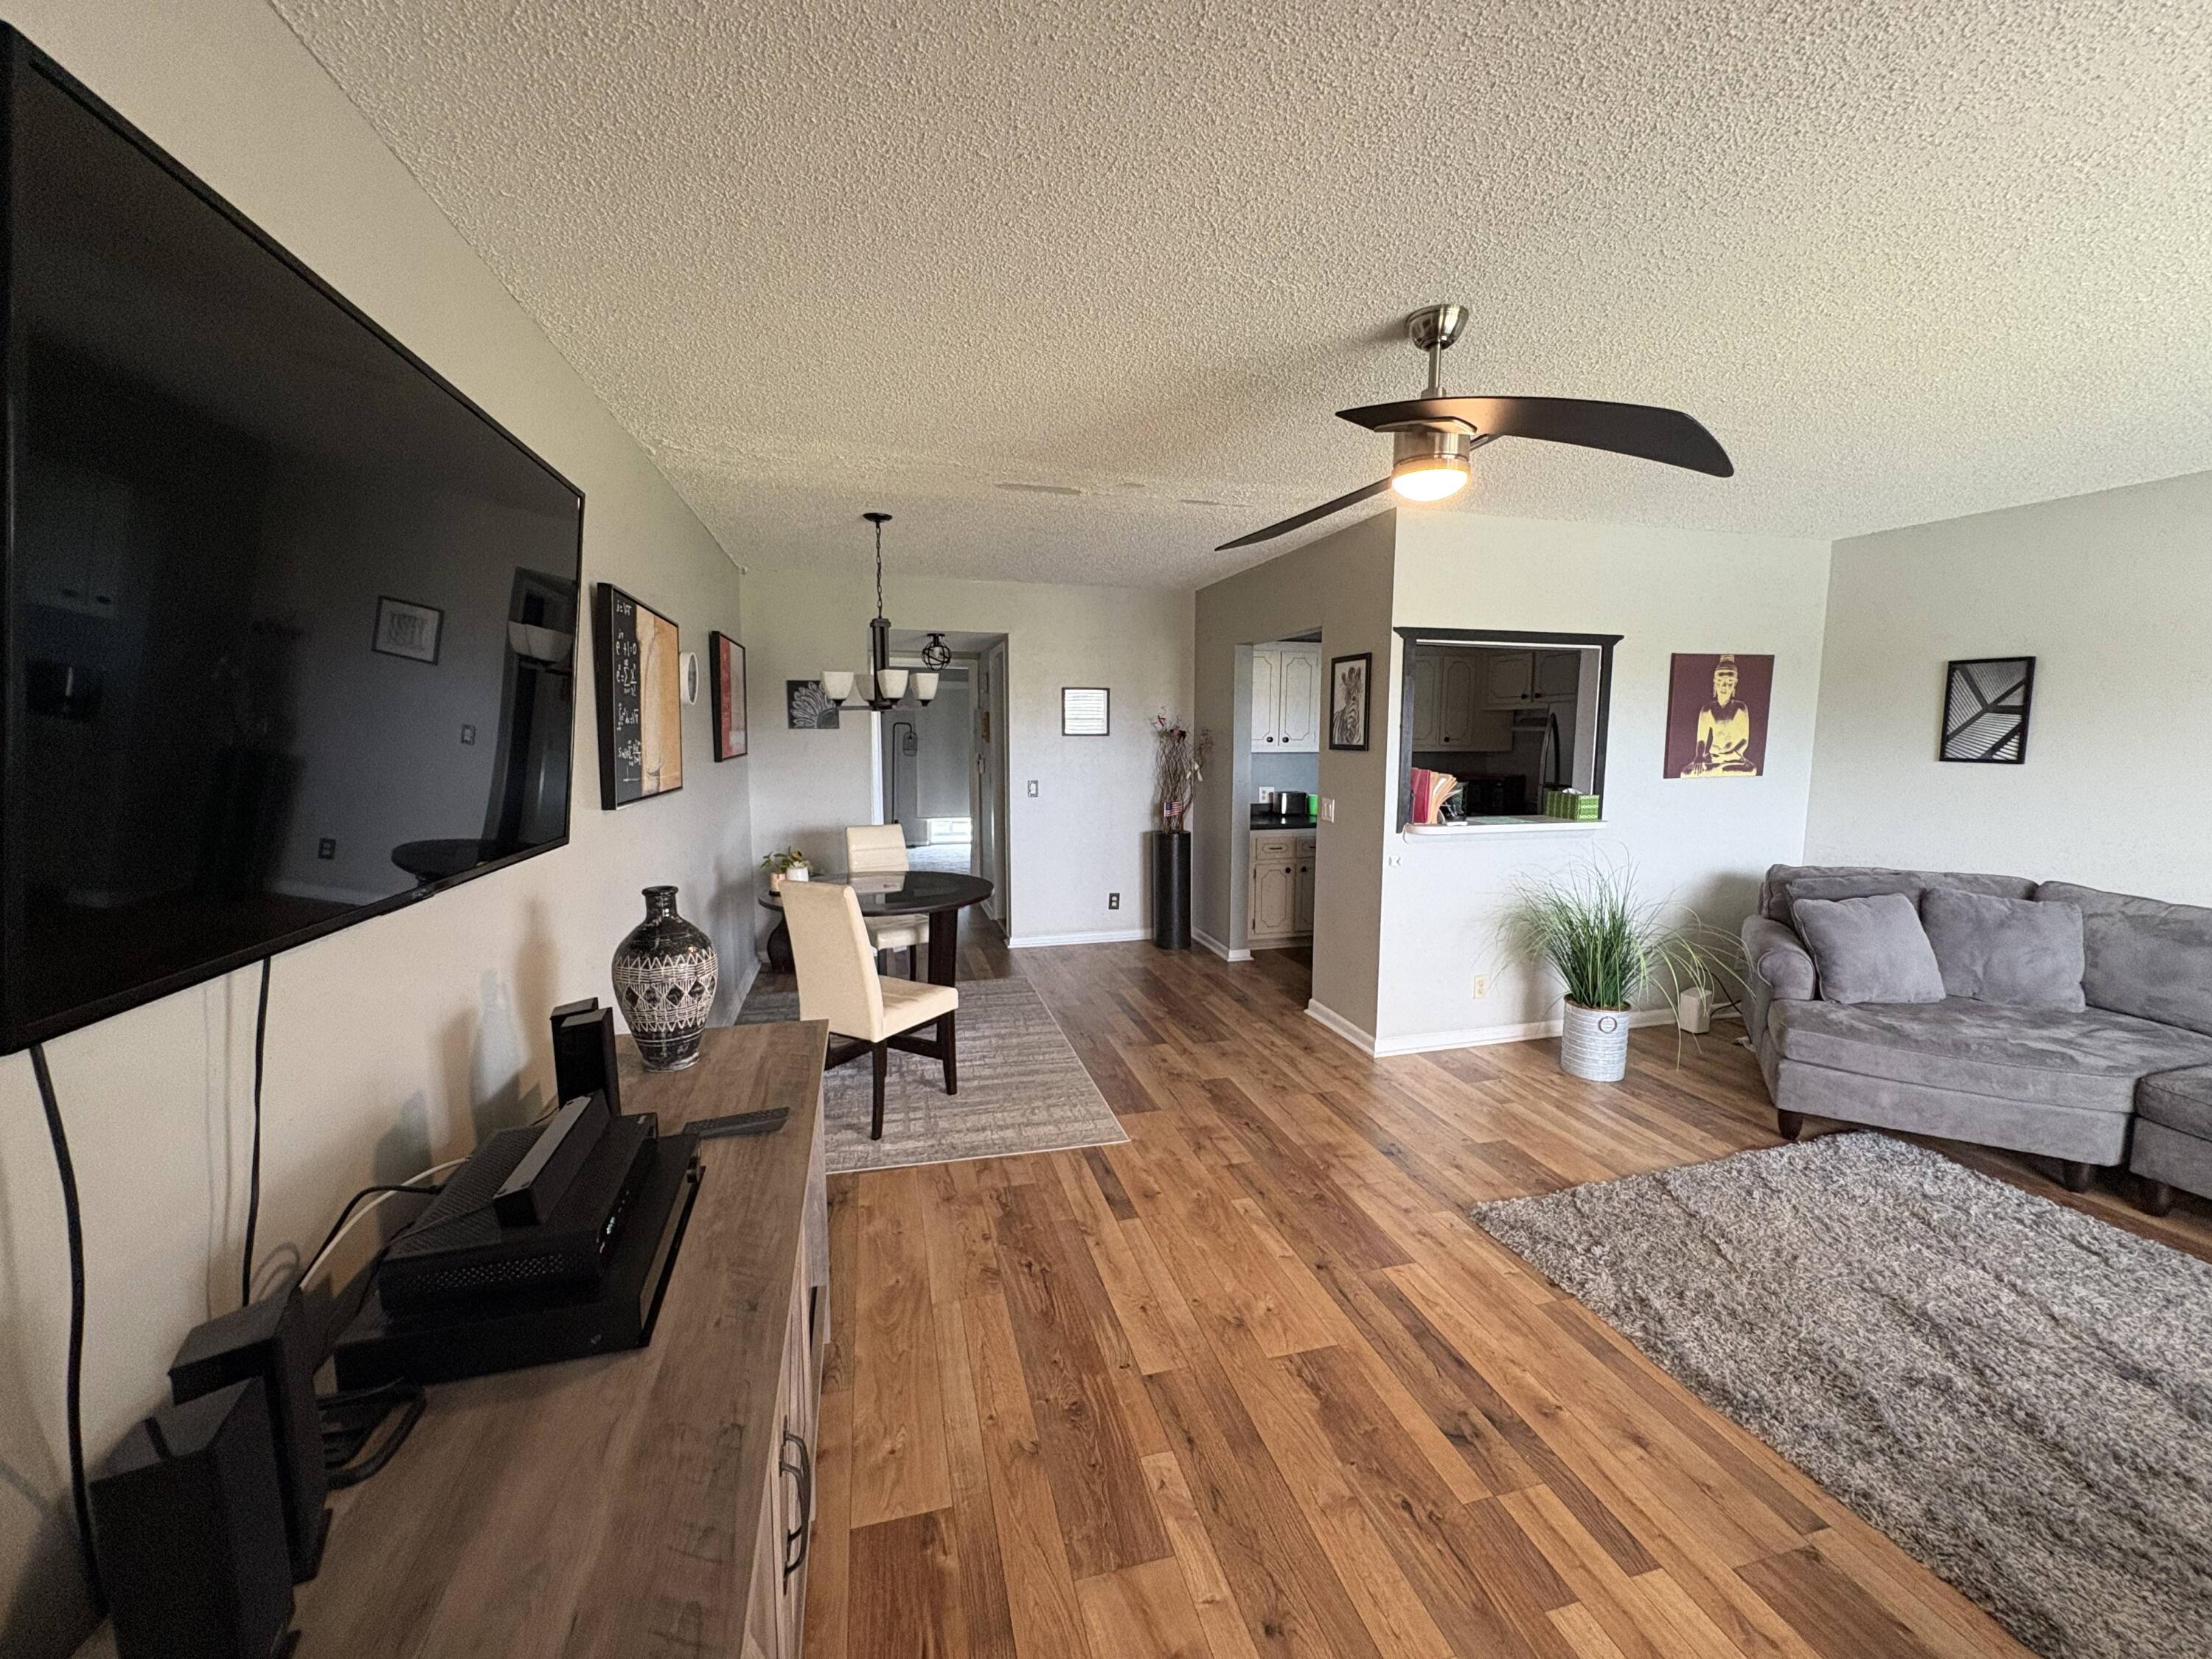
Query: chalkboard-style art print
408, 630
808, 707
1717, 715
1985, 702
725, 674
641, 699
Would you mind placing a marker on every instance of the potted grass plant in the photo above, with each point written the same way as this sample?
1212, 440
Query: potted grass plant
1611, 947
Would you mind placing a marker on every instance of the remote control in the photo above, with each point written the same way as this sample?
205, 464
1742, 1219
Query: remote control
742, 1123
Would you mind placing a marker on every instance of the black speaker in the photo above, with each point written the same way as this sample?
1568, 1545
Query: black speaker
584, 1053
190, 1532
269, 1339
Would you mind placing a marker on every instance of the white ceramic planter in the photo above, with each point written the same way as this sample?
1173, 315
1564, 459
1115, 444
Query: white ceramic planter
1595, 1044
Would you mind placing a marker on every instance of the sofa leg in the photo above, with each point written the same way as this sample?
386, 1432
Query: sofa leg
881, 1060
1790, 1125
2155, 1196
2077, 1177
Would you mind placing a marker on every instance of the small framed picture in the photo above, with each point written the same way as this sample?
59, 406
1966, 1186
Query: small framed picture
408, 630
726, 671
806, 709
1084, 711
1986, 703
1348, 680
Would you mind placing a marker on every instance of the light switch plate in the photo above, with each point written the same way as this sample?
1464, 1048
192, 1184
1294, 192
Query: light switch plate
1329, 809
1033, 784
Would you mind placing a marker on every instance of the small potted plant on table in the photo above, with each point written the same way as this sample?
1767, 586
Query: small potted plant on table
1611, 948
790, 864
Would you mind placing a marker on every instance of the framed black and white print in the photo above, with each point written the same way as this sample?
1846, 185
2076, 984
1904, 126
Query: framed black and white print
1986, 703
1084, 711
408, 630
1348, 678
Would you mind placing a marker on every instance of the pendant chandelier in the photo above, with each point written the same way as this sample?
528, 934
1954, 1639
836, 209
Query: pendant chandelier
883, 686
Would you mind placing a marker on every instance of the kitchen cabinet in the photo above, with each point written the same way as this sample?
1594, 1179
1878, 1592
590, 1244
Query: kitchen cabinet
1286, 699
1518, 679
1280, 907
1452, 709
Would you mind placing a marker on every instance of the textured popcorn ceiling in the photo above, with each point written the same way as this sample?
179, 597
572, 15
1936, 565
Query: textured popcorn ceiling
1907, 260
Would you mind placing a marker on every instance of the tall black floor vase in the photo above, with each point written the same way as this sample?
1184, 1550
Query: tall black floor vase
1171, 888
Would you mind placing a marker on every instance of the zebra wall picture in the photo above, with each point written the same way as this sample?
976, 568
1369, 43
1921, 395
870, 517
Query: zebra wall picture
1985, 702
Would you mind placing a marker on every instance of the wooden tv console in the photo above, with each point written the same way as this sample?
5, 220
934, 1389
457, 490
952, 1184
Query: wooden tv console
650, 1502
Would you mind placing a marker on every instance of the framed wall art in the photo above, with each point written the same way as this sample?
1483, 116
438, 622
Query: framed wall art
640, 698
807, 708
1986, 703
1716, 708
1349, 686
725, 677
1084, 711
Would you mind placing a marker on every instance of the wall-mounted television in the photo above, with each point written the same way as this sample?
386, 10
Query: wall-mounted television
290, 627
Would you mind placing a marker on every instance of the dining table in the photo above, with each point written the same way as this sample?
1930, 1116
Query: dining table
940, 895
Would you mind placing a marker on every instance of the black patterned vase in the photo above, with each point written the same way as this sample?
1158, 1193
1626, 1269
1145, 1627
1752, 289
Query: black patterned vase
665, 975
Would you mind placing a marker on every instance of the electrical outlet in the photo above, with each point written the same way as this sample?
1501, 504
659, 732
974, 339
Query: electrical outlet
327, 848
1033, 783
1481, 986
468, 734
1112, 901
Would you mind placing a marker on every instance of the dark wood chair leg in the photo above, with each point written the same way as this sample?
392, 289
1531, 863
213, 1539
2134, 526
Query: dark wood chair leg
944, 1026
2077, 1177
880, 1060
1790, 1125
2155, 1196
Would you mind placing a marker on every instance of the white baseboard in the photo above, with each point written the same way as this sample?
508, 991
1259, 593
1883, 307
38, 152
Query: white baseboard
1218, 948
1478, 1036
1037, 941
1357, 1035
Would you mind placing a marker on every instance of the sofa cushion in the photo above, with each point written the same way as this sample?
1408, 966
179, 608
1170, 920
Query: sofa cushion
1870, 950
2003, 950
2180, 1100
2142, 956
2089, 1060
1871, 884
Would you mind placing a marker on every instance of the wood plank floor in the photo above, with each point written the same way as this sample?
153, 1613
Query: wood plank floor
1252, 1385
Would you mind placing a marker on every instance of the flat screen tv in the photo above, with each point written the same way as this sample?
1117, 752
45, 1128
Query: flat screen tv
290, 623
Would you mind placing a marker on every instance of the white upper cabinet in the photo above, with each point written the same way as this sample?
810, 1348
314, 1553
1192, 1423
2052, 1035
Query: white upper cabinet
1286, 699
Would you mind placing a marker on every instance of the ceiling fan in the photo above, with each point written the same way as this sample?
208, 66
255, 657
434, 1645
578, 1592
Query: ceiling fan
1432, 435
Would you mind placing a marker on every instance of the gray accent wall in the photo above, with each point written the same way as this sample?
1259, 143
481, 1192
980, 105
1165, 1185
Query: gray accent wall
2111, 594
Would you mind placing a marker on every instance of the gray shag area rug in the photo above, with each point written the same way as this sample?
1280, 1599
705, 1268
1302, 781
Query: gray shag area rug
2017, 1393
1022, 1088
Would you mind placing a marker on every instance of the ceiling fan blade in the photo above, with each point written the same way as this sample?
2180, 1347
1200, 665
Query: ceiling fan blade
1299, 520
1651, 434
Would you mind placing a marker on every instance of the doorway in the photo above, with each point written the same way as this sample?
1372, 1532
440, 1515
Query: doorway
945, 767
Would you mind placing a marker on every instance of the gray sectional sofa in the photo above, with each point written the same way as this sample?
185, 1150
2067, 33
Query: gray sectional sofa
2124, 1079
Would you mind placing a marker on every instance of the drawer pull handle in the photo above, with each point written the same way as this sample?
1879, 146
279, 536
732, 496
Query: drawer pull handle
799, 1536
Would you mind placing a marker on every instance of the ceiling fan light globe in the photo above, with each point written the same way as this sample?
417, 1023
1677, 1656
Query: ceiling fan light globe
1429, 478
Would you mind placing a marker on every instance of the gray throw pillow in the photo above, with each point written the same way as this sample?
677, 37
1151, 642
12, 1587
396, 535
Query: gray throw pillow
1863, 884
2026, 953
1870, 950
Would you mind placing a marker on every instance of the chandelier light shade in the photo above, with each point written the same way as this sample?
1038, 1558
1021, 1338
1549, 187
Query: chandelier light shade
925, 685
883, 685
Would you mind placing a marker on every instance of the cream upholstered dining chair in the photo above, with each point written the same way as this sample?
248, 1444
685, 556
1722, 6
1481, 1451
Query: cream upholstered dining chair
838, 982
872, 850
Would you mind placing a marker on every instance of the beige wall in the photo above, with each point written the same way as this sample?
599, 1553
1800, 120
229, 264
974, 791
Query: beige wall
2111, 594
1341, 583
1082, 836
397, 1042
1704, 841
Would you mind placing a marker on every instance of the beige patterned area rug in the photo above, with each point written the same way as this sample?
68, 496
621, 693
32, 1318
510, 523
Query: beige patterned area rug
1022, 1088
2017, 1393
